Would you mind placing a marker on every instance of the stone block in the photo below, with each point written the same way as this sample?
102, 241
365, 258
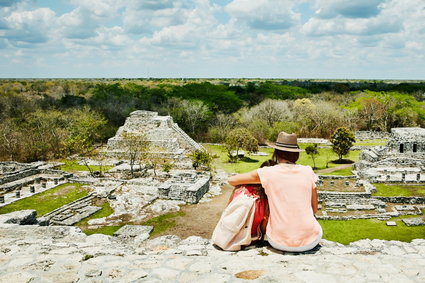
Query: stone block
22, 217
414, 221
360, 207
405, 208
131, 231
43, 221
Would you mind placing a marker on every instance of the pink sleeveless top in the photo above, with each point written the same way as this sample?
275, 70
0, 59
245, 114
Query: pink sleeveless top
289, 190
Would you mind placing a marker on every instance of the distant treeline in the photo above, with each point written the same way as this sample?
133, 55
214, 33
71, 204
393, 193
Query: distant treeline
52, 118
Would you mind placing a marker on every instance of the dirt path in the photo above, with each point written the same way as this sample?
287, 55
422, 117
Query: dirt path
329, 170
200, 218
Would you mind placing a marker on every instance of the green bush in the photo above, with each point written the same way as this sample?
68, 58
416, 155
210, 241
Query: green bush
201, 158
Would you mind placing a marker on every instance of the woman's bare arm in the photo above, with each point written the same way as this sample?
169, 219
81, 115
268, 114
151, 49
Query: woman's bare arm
314, 200
245, 178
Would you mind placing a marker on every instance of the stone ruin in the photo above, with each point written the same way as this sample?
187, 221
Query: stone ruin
19, 180
349, 197
370, 135
136, 198
155, 193
401, 160
163, 134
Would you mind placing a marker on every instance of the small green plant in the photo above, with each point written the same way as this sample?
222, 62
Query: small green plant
201, 158
167, 166
87, 257
262, 253
312, 151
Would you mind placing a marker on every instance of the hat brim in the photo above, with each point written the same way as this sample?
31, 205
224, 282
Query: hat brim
290, 149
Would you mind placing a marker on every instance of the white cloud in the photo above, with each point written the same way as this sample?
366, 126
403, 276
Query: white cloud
328, 27
26, 27
331, 18
348, 8
141, 17
98, 8
264, 14
198, 37
78, 23
153, 4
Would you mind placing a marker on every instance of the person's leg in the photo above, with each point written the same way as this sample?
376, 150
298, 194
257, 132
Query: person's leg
296, 249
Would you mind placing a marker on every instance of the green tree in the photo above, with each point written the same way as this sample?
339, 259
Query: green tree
136, 149
217, 97
313, 152
342, 140
156, 160
386, 110
200, 158
10, 140
222, 125
85, 128
240, 139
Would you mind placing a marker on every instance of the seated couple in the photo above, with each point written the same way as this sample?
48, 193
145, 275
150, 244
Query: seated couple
285, 209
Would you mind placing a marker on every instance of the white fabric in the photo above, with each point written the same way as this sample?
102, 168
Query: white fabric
233, 230
296, 249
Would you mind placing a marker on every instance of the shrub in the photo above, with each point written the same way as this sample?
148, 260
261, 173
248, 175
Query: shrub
342, 140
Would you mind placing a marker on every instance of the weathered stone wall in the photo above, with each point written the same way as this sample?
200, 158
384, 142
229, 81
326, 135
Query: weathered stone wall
186, 191
314, 140
412, 200
19, 175
370, 135
7, 167
407, 140
30, 176
402, 160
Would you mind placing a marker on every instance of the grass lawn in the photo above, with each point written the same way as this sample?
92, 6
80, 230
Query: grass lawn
105, 211
399, 190
349, 231
376, 142
341, 172
160, 223
163, 222
107, 230
251, 162
72, 166
48, 200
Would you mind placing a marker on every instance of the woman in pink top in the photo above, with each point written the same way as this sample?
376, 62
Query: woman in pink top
292, 196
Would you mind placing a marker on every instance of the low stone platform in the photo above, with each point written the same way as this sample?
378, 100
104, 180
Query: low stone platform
64, 254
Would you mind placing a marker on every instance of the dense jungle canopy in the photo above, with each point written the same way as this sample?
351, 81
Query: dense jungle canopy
44, 119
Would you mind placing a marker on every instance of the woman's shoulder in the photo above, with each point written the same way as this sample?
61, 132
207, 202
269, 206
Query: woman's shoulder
305, 168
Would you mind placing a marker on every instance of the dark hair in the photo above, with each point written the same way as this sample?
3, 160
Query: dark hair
287, 155
268, 163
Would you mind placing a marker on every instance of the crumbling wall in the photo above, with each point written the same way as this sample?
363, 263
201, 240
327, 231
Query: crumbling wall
370, 135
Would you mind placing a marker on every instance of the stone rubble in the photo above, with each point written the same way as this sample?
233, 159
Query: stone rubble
64, 254
401, 160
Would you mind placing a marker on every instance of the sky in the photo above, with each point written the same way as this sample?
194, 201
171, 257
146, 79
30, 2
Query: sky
323, 39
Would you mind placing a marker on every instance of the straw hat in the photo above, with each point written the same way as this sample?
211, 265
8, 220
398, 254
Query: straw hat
286, 142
